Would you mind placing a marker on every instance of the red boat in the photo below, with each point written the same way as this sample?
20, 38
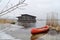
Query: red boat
39, 30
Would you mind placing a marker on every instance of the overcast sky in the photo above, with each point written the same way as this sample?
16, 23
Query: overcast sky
38, 8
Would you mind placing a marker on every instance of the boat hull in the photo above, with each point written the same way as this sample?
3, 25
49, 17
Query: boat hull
39, 30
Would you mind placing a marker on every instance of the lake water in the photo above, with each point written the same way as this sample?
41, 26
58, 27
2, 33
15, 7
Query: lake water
36, 24
22, 33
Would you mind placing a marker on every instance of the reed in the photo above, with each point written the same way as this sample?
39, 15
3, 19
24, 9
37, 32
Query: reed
53, 22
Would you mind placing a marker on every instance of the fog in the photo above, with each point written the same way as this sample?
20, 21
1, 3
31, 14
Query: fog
38, 8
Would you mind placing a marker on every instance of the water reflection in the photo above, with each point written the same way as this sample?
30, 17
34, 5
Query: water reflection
25, 34
52, 32
36, 36
32, 24
27, 24
50, 35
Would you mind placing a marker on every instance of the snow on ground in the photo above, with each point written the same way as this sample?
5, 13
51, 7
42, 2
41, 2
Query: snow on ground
7, 28
3, 35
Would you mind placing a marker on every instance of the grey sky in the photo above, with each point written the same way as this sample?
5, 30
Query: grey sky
38, 8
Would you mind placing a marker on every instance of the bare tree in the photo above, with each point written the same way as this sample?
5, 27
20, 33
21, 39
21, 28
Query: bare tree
12, 8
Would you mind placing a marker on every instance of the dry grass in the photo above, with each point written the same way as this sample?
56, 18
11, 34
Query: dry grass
57, 28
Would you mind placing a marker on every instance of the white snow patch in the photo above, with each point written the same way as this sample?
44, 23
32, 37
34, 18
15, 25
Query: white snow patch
5, 36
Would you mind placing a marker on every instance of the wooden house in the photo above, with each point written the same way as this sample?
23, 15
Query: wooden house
26, 18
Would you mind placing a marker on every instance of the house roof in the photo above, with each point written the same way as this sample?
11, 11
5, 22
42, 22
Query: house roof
26, 15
